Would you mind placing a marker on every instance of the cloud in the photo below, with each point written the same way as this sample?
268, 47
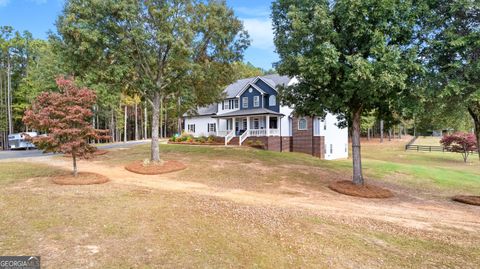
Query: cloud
4, 3
261, 32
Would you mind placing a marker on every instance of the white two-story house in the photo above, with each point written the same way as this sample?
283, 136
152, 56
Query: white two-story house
251, 111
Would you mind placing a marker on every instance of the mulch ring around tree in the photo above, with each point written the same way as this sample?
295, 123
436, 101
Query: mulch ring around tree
95, 153
366, 191
83, 178
164, 167
467, 199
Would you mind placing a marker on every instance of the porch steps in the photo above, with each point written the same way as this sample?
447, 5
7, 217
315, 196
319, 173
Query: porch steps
234, 141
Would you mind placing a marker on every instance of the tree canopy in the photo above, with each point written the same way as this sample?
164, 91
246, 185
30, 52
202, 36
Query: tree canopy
65, 119
349, 56
175, 47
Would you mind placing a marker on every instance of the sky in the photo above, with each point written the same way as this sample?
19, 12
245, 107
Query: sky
38, 17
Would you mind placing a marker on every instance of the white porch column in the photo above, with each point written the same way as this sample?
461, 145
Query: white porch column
248, 122
233, 126
267, 125
217, 127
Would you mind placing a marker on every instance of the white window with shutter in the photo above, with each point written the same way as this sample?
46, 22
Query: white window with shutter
212, 127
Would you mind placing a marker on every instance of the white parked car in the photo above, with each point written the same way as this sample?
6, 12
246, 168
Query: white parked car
18, 140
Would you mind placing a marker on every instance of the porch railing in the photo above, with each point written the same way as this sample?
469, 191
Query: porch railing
243, 137
257, 132
229, 137
274, 132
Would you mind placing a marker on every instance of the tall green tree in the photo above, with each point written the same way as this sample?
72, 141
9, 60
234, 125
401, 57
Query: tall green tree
173, 46
15, 57
452, 53
92, 44
186, 43
349, 56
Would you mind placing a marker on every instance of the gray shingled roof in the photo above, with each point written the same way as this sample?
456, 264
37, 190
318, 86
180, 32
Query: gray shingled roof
275, 80
247, 112
203, 111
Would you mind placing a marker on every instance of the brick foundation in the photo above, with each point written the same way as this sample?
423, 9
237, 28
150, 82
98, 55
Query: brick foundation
286, 143
301, 140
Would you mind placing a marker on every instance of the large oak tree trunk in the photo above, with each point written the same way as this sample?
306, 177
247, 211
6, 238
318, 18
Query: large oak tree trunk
155, 149
474, 111
356, 155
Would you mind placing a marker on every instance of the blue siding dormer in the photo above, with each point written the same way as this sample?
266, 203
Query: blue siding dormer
268, 92
250, 93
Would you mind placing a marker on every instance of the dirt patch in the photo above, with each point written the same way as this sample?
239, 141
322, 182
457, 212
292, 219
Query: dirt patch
83, 178
366, 191
467, 199
96, 153
155, 169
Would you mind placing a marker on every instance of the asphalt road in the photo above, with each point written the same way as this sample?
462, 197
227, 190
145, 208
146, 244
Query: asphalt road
13, 154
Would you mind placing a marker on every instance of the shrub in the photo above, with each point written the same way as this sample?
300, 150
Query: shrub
463, 143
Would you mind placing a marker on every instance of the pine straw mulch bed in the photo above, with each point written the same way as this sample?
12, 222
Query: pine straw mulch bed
155, 169
83, 178
95, 153
366, 191
467, 199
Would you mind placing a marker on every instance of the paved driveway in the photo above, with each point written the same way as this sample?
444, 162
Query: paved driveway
13, 154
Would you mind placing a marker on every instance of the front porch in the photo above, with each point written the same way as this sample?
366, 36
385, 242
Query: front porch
248, 126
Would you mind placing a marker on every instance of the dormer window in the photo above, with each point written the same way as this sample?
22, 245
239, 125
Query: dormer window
256, 101
245, 102
272, 100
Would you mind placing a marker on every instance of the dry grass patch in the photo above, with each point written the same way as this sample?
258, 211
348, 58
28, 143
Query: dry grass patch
82, 178
467, 199
366, 191
143, 168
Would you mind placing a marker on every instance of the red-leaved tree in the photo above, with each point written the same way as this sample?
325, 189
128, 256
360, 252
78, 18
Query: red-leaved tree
464, 143
65, 118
